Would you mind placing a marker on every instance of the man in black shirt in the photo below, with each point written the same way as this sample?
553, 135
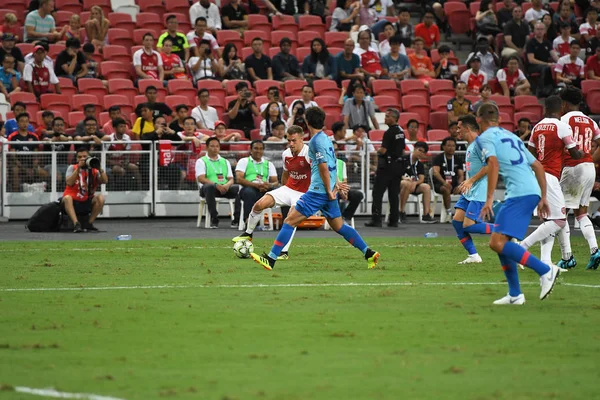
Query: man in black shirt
541, 58
234, 16
516, 33
257, 64
285, 65
158, 108
243, 110
181, 113
413, 182
8, 47
448, 173
23, 168
70, 63
389, 170
56, 140
504, 15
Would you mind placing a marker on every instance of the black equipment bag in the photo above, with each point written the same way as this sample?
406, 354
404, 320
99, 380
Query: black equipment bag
46, 218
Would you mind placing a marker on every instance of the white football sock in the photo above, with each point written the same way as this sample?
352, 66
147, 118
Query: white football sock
564, 239
542, 232
253, 220
287, 245
546, 247
587, 229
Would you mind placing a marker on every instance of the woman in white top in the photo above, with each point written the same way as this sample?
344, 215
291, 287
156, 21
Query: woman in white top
271, 114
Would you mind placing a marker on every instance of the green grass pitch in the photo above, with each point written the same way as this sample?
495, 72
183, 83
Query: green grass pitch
186, 319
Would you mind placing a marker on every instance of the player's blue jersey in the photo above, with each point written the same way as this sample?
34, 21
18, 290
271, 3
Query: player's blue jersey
514, 160
320, 150
474, 162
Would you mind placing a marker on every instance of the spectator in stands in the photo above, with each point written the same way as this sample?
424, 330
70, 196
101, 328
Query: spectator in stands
39, 24
541, 57
46, 126
188, 133
231, 65
92, 65
428, 31
345, 16
96, 28
448, 173
474, 77
570, 69
145, 123
234, 16
256, 175
550, 30
172, 65
523, 129
319, 64
277, 133
486, 20
91, 133
589, 28
285, 65
308, 94
370, 62
349, 89
199, 34
258, 65
459, 105
214, 173
10, 78
348, 63
37, 76
10, 26
484, 93
274, 95
147, 61
421, 65
48, 62
114, 112
489, 60
535, 13
24, 166
445, 69
80, 188
206, 66
204, 115
118, 160
512, 79
223, 136
351, 200
593, 65
561, 43
288, 7
58, 138
242, 111
565, 16
403, 27
455, 134
207, 10
412, 128
358, 110
366, 15
504, 15
271, 114
11, 126
157, 107
593, 45
385, 46
73, 29
297, 118
516, 33
413, 182
395, 65
360, 141
70, 63
181, 46
339, 134
181, 114
8, 47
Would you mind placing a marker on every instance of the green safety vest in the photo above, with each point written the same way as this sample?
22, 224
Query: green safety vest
340, 170
216, 168
251, 173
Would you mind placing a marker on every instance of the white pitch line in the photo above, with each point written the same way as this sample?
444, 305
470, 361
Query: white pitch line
280, 285
62, 395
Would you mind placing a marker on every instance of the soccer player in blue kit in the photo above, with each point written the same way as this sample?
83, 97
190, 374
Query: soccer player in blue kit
321, 196
525, 189
474, 191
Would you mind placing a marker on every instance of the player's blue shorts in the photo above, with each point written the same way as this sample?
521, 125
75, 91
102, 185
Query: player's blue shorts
472, 209
514, 216
462, 203
310, 202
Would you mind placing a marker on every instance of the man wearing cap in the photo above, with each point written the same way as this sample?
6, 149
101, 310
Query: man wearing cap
205, 115
38, 76
8, 47
223, 136
285, 65
474, 77
70, 63
48, 62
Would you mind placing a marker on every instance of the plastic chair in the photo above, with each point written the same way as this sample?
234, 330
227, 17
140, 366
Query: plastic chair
438, 119
177, 6
441, 86
262, 86
257, 22
250, 35
120, 37
81, 100
120, 101
73, 6
311, 23
153, 6
306, 37
439, 102
386, 88
285, 23
203, 209
92, 86
336, 39
175, 100
276, 37
437, 135
116, 53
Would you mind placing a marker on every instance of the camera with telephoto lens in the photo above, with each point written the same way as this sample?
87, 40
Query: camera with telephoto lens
92, 163
207, 51
300, 111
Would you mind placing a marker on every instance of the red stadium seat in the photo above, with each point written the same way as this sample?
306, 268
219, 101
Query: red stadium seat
225, 36
294, 87
183, 87
301, 53
152, 7
439, 119
593, 100
437, 135
529, 104
75, 117
474, 7
58, 102
257, 22
588, 85
306, 37
385, 102
175, 100
25, 48
326, 87
177, 6
25, 97
123, 87
285, 23
417, 104
290, 99
386, 88
336, 39
62, 17
122, 21
250, 35
92, 86
183, 19
143, 84
116, 53
104, 4
118, 100
521, 114
263, 86
335, 109
376, 135
138, 35
73, 6
439, 102
215, 88
413, 87
311, 23
441, 86
459, 20
55, 49
276, 37
80, 100
40, 121
120, 37
407, 116
230, 86
115, 70
325, 100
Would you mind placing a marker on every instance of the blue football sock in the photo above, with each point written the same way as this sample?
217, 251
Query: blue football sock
481, 227
518, 254
281, 240
465, 238
512, 276
352, 237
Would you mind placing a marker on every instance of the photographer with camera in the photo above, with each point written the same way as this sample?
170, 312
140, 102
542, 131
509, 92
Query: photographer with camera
297, 118
243, 110
274, 95
205, 66
79, 197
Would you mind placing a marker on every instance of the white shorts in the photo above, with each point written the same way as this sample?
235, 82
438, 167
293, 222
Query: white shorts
284, 196
556, 199
577, 184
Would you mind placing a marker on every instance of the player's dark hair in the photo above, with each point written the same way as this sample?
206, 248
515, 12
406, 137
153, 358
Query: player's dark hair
469, 121
170, 17
574, 43
553, 105
460, 83
571, 95
285, 40
402, 9
88, 48
488, 112
337, 126
308, 86
81, 149
395, 40
212, 139
118, 121
89, 119
22, 115
256, 39
448, 139
315, 117
422, 145
412, 121
452, 123
147, 34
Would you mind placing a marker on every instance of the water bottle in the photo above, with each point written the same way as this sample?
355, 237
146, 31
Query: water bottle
124, 237
431, 235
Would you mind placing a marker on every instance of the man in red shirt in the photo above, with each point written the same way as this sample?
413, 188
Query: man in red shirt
474, 77
147, 61
593, 66
172, 64
370, 63
38, 76
428, 31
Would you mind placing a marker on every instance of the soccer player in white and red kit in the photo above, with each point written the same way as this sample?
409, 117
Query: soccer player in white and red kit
578, 177
147, 61
549, 139
296, 180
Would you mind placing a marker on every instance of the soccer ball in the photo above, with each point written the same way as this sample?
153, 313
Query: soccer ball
243, 248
